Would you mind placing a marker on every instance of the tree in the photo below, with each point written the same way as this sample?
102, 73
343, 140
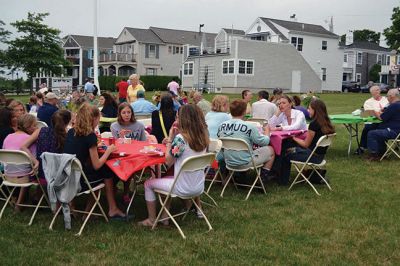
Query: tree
38, 49
364, 35
4, 34
374, 73
392, 33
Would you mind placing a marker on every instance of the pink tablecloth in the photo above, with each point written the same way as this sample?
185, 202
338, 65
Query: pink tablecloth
133, 161
278, 136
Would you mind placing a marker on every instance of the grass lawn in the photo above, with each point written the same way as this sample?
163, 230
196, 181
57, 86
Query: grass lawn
356, 223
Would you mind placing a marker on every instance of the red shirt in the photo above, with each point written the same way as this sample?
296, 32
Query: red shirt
122, 88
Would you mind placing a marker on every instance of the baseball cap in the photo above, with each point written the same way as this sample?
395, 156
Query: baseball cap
51, 95
140, 94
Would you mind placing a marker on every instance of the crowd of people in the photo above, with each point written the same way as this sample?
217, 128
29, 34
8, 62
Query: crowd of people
185, 128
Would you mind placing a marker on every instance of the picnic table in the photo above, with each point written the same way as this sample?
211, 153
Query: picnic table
351, 123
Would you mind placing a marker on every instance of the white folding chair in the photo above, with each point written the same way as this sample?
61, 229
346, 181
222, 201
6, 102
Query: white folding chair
76, 166
194, 163
392, 147
235, 144
106, 134
40, 124
324, 141
20, 158
146, 121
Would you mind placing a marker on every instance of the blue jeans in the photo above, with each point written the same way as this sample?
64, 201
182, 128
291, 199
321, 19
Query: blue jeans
364, 134
377, 138
296, 154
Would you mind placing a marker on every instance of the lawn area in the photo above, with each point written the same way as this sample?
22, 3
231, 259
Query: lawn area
355, 224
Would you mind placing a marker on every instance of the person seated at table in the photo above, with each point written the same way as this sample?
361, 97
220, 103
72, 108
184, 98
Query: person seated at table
186, 140
247, 96
20, 173
319, 126
18, 109
237, 128
263, 109
48, 139
217, 115
142, 106
81, 140
109, 107
162, 120
287, 118
374, 106
276, 96
297, 105
388, 129
127, 126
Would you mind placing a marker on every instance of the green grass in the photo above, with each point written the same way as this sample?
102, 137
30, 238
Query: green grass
356, 223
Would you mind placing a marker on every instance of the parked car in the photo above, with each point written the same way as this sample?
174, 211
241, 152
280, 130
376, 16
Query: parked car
384, 87
350, 86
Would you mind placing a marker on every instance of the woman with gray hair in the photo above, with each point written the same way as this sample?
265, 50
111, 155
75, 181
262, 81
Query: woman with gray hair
134, 88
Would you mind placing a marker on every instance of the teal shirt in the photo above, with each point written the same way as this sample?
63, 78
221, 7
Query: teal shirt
237, 128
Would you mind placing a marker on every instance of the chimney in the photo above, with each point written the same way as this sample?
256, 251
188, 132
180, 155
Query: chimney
331, 25
349, 37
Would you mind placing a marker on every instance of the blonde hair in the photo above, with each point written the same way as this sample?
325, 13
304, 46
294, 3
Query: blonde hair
219, 103
25, 121
195, 134
15, 103
84, 119
134, 77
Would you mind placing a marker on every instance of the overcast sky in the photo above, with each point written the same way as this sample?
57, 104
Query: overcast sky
76, 16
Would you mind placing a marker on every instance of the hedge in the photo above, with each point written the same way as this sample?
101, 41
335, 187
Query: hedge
151, 83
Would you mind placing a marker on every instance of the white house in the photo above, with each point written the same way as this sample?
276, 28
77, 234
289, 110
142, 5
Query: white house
318, 46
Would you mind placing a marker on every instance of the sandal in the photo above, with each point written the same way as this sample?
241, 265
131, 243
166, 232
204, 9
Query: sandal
145, 223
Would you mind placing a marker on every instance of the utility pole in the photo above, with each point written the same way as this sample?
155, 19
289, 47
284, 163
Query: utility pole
200, 53
95, 50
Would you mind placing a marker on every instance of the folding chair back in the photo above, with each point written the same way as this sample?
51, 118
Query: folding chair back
324, 141
146, 121
40, 124
391, 146
106, 134
191, 164
16, 157
237, 144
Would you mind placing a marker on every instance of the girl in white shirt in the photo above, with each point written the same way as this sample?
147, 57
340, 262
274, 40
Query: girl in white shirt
287, 118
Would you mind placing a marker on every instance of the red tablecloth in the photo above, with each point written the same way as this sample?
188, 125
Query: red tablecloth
278, 136
133, 161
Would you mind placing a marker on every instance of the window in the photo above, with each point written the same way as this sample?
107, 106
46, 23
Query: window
176, 49
358, 77
359, 58
151, 71
398, 60
193, 51
181, 51
246, 67
90, 53
170, 49
323, 70
324, 45
345, 58
387, 60
379, 59
90, 72
152, 50
298, 43
188, 69
228, 66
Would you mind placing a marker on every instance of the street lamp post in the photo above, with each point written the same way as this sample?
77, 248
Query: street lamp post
199, 55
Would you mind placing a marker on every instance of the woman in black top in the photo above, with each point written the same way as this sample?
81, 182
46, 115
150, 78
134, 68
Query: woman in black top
168, 116
82, 141
110, 107
319, 126
6, 116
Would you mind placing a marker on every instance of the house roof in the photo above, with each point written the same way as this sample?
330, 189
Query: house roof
144, 35
298, 26
234, 31
87, 41
367, 46
182, 36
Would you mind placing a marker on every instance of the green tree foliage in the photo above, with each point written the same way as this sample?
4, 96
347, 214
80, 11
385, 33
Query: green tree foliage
38, 47
392, 33
364, 35
4, 34
374, 73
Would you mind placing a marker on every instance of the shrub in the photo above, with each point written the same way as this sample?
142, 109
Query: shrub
151, 83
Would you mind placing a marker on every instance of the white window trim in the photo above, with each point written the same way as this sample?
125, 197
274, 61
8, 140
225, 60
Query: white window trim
183, 70
297, 43
322, 45
347, 58
322, 74
377, 58
398, 59
358, 75
151, 55
234, 67
359, 63
245, 67
91, 72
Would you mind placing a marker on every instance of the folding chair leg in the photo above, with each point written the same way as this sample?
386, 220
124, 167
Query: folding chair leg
213, 180
205, 217
305, 179
254, 183
226, 184
133, 196
96, 203
36, 209
212, 199
7, 202
54, 218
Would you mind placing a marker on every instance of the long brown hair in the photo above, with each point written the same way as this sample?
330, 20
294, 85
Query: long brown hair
321, 116
84, 119
193, 127
120, 108
60, 121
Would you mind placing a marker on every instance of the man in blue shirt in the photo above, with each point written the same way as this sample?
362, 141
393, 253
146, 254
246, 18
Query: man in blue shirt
89, 86
48, 108
388, 129
142, 106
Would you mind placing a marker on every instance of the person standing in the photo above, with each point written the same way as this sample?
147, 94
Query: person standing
89, 86
174, 86
133, 88
122, 87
